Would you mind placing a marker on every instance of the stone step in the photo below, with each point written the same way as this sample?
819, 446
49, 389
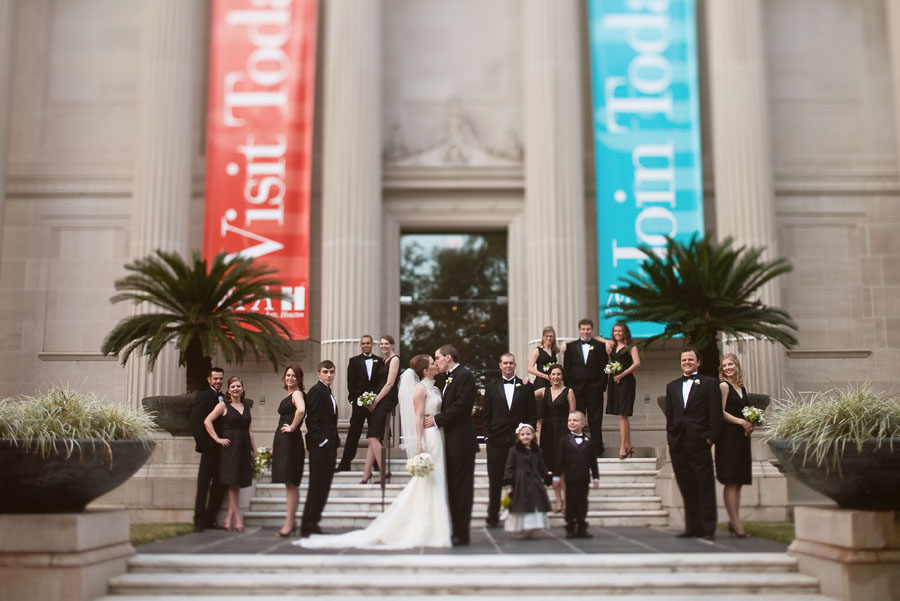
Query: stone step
402, 477
590, 583
373, 503
780, 596
631, 489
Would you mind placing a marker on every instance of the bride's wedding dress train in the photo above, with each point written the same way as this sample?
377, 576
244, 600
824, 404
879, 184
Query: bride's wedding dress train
419, 516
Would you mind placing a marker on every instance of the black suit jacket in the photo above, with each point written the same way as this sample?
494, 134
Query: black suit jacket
358, 380
700, 419
204, 402
456, 413
579, 375
500, 420
321, 417
577, 462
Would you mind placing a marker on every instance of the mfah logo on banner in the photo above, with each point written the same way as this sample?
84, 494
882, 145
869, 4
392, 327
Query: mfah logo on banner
259, 142
646, 135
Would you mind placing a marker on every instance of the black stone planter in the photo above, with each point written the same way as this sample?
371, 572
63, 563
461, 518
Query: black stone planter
867, 479
172, 413
60, 484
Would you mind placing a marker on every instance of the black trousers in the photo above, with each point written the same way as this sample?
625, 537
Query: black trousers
576, 506
351, 442
693, 466
460, 490
321, 473
496, 465
590, 402
209, 491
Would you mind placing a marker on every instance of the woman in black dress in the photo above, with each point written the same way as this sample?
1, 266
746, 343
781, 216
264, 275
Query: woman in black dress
733, 467
558, 402
620, 396
288, 453
542, 357
238, 449
381, 407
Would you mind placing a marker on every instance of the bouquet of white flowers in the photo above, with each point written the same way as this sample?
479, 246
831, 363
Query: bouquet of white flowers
754, 415
365, 399
612, 368
262, 462
547, 366
420, 466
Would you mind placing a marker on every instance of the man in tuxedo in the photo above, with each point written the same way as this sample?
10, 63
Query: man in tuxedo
693, 422
508, 402
362, 376
459, 439
583, 372
209, 491
321, 443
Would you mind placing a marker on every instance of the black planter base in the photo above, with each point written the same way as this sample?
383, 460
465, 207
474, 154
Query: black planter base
171, 413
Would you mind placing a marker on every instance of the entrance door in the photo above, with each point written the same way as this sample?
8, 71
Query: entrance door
453, 289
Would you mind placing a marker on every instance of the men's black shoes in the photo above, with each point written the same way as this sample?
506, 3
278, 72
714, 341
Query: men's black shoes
685, 534
492, 523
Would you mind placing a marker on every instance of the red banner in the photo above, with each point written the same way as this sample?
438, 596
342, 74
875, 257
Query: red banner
259, 141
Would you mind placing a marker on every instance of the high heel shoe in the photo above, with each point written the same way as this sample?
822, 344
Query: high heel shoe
735, 534
290, 532
628, 453
386, 478
366, 479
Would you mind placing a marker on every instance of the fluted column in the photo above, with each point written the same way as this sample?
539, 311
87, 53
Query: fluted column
892, 8
742, 159
554, 168
351, 183
164, 158
7, 15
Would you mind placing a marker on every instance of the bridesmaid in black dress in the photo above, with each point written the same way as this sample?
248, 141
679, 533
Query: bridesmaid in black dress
542, 357
381, 408
620, 396
733, 464
558, 402
238, 449
288, 452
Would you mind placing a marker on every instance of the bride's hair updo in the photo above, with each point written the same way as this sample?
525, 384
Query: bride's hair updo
419, 364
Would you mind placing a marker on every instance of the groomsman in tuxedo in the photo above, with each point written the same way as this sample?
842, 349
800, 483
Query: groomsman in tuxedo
508, 402
209, 491
459, 439
362, 376
693, 422
583, 372
321, 443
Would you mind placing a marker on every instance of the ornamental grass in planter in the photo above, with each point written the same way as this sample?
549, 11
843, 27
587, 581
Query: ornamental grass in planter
61, 449
843, 443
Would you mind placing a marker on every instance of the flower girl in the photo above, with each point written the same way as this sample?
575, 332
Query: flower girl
528, 475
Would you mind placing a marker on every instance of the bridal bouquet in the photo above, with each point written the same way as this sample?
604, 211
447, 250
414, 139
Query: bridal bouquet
365, 399
612, 368
754, 415
420, 466
262, 462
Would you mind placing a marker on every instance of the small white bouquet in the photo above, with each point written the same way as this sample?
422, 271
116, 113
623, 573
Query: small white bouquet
262, 462
754, 415
420, 466
612, 368
547, 366
366, 399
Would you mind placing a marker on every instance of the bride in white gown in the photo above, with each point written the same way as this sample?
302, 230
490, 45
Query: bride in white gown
419, 516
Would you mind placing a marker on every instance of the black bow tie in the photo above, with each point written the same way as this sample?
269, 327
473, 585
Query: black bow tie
690, 377
505, 381
577, 436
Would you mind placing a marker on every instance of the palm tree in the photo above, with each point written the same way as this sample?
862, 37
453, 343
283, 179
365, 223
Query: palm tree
702, 288
202, 309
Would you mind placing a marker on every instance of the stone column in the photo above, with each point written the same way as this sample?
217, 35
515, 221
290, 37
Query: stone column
742, 159
892, 10
164, 154
554, 168
351, 183
7, 16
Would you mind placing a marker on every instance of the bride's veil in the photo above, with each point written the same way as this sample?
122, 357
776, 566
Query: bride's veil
408, 381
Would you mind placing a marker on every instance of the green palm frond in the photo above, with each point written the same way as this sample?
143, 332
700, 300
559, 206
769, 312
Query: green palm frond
199, 303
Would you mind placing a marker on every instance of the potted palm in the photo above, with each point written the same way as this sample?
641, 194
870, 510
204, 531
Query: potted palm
201, 308
61, 449
701, 289
843, 443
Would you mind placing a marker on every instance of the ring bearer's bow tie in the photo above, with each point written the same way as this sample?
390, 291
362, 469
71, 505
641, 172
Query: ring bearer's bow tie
578, 437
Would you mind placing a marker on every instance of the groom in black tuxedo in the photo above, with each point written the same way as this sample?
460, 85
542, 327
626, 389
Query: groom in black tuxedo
508, 402
693, 422
583, 372
362, 376
459, 439
209, 491
321, 443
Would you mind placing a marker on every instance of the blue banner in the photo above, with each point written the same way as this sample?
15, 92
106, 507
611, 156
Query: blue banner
646, 135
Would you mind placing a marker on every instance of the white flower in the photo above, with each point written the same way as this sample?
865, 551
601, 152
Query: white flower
697, 382
365, 399
420, 466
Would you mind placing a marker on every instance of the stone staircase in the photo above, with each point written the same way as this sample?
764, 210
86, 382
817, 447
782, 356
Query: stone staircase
626, 497
623, 577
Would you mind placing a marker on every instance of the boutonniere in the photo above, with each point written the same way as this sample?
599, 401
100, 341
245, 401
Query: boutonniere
448, 380
374, 359
696, 381
518, 385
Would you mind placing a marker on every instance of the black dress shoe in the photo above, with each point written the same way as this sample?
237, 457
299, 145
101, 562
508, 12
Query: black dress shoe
492, 523
304, 534
584, 534
342, 468
198, 528
685, 534
215, 526
709, 537
315, 529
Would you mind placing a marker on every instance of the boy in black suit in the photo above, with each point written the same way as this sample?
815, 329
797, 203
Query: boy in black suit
321, 443
576, 463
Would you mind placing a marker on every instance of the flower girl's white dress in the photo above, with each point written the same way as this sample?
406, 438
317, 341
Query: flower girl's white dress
420, 515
